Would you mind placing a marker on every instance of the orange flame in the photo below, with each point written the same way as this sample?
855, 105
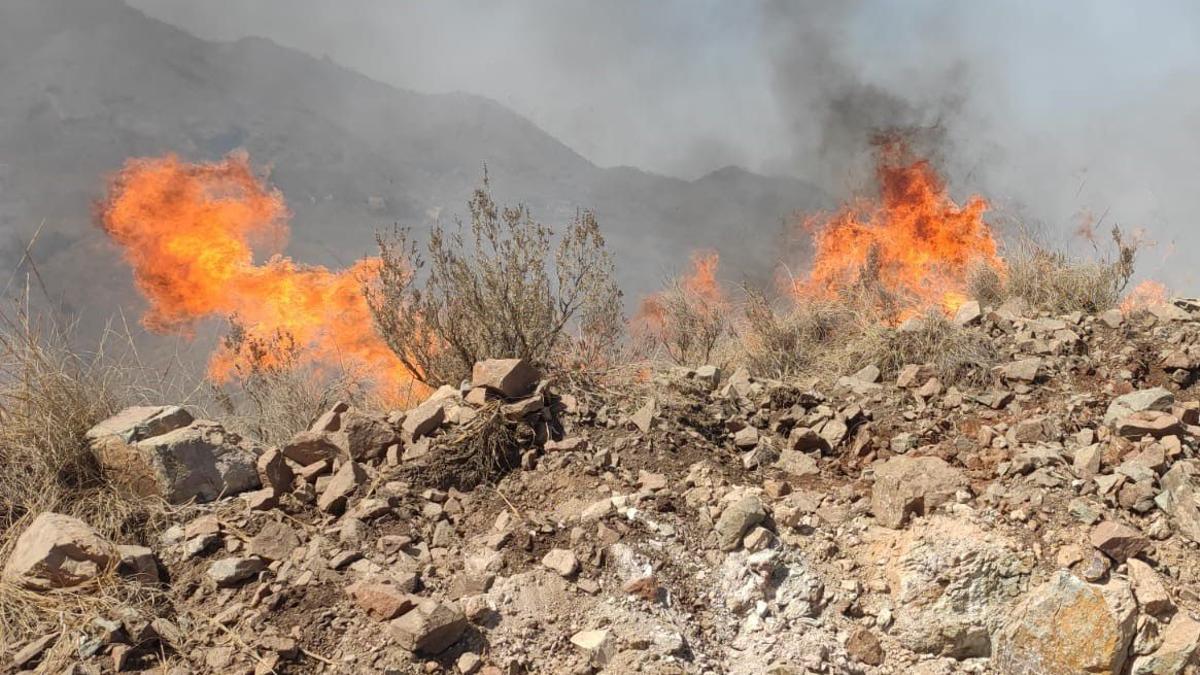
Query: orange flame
700, 290
187, 230
915, 241
1146, 294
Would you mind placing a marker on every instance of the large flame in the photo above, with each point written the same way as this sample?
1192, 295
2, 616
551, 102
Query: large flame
187, 230
914, 241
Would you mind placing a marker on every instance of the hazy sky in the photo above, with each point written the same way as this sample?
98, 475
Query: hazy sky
1050, 108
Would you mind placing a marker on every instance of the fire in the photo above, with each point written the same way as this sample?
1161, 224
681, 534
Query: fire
1146, 294
699, 290
682, 316
914, 241
188, 231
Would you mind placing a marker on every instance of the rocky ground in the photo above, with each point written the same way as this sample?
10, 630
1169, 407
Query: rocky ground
1040, 519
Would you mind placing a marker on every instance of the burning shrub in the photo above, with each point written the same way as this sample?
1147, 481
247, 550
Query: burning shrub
493, 290
276, 391
689, 317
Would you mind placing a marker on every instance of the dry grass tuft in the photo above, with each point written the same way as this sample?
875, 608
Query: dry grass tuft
957, 354
1054, 282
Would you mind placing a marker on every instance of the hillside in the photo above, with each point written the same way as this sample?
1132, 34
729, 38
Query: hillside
87, 85
1035, 516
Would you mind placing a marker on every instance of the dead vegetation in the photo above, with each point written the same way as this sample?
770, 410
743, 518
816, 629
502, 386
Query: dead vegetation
1055, 282
498, 287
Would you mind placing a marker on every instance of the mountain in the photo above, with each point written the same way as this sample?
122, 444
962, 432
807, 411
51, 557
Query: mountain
87, 84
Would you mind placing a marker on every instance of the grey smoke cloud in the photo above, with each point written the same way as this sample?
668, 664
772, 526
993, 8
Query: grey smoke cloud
1052, 110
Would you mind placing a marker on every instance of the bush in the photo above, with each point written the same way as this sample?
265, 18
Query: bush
1054, 282
495, 289
688, 319
275, 393
801, 340
957, 354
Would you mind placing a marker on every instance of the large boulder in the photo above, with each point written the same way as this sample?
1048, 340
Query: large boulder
58, 551
1068, 625
950, 581
161, 451
907, 486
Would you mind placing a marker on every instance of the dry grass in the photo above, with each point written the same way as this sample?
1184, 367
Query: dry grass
957, 354
805, 338
683, 325
276, 393
1054, 282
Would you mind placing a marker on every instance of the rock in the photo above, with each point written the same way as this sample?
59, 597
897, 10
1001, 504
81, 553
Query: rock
381, 598
58, 551
1024, 370
736, 520
1112, 318
365, 437
261, 500
139, 423
864, 647
1150, 423
804, 439
511, 378
572, 444
275, 541
1179, 498
969, 313
468, 663
430, 628
423, 420
1148, 588
138, 563
1157, 399
1068, 626
563, 561
912, 486
233, 571
949, 581
643, 420
330, 420
274, 472
709, 376
1176, 651
1120, 542
1167, 312
797, 463
201, 461
308, 448
746, 438
340, 487
596, 644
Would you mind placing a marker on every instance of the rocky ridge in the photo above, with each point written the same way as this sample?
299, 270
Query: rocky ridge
1041, 518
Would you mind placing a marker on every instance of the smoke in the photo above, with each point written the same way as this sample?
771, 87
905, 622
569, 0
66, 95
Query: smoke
1065, 114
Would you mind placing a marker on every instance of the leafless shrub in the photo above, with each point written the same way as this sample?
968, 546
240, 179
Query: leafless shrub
498, 288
